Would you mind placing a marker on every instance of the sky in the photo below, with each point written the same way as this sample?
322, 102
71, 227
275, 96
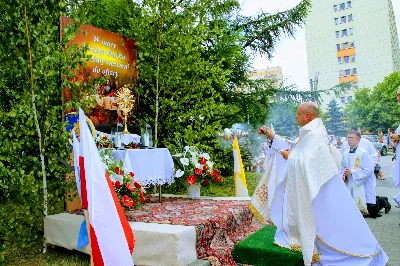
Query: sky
290, 53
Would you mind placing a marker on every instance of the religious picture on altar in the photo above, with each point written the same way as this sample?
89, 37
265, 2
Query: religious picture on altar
113, 59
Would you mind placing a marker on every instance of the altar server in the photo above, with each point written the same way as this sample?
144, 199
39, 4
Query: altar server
357, 172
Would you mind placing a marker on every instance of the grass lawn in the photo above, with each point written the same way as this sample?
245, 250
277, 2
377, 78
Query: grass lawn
62, 257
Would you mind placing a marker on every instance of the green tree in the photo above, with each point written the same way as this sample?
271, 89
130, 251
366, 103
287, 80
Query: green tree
334, 119
33, 62
192, 60
377, 109
383, 107
357, 110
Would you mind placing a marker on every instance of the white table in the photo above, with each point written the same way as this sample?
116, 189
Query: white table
150, 166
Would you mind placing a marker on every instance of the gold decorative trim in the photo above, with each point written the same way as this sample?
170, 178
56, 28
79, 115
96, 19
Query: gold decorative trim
361, 206
295, 247
357, 163
316, 258
256, 213
348, 253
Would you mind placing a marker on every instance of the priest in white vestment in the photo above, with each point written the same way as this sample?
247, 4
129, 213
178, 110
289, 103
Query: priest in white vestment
323, 220
396, 172
357, 171
271, 187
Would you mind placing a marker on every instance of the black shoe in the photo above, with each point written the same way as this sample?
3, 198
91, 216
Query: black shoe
387, 208
378, 215
365, 215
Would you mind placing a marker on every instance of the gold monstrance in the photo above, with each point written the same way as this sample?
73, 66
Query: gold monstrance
125, 101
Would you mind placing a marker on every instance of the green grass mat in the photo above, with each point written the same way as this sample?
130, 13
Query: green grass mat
259, 249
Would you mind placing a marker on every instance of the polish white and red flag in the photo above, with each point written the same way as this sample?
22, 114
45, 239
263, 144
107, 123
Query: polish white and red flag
111, 237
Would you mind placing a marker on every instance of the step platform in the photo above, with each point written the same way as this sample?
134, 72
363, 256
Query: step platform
156, 244
259, 249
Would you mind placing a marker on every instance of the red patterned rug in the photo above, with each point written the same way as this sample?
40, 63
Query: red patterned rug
220, 224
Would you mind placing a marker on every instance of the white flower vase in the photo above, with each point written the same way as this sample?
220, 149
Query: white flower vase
194, 191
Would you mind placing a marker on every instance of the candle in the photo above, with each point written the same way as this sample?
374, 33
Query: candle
146, 139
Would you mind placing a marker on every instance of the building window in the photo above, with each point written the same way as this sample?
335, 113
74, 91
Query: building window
345, 45
342, 99
338, 46
354, 71
355, 84
349, 98
343, 19
346, 59
349, 4
348, 87
351, 31
353, 58
350, 18
335, 8
342, 6
344, 32
353, 45
336, 21
339, 60
347, 72
340, 73
337, 34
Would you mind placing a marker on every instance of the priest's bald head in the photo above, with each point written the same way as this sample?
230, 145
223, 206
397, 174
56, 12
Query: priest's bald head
306, 113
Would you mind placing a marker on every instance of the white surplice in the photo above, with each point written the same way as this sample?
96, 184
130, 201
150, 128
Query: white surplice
322, 215
361, 183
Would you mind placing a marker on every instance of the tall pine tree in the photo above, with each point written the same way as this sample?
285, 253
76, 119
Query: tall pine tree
334, 122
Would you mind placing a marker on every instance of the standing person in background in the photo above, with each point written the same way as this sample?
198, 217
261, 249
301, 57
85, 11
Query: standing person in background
391, 144
380, 136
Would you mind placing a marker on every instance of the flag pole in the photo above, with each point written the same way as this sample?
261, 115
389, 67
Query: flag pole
85, 211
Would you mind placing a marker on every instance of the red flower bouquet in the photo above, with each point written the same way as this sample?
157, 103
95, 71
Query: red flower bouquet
196, 167
128, 190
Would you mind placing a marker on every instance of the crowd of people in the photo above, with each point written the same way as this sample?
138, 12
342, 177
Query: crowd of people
319, 194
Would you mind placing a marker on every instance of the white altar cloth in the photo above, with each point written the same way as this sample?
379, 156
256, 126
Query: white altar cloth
128, 138
150, 166
155, 244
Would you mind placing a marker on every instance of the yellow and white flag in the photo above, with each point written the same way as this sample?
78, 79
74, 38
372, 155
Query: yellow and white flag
240, 178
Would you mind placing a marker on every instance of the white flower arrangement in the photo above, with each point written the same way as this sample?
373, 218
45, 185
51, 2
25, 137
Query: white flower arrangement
196, 167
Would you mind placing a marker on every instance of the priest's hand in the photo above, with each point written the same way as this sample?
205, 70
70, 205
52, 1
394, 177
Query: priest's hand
264, 130
285, 153
394, 138
347, 171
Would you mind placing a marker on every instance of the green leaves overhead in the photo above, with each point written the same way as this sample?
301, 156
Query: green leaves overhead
261, 33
